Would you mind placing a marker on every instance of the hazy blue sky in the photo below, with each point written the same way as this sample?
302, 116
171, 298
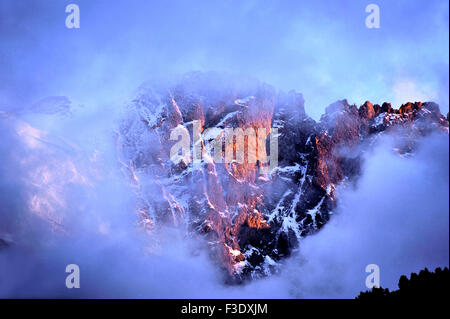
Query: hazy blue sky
320, 48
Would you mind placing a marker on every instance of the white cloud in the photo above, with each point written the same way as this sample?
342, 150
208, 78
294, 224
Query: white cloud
408, 90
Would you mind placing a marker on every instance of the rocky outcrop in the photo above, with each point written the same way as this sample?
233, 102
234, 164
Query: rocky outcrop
251, 220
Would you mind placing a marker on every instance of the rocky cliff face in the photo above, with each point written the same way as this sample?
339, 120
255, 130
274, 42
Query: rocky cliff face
249, 219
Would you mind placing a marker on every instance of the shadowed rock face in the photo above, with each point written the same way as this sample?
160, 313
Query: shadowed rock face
251, 220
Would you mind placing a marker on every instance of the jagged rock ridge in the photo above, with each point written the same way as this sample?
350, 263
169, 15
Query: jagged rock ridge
251, 221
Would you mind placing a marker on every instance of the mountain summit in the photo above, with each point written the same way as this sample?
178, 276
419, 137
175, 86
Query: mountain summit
251, 220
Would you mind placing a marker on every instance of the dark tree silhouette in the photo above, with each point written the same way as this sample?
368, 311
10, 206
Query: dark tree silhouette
425, 285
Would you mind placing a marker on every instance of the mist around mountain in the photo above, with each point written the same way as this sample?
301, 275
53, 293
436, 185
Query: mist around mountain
364, 185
